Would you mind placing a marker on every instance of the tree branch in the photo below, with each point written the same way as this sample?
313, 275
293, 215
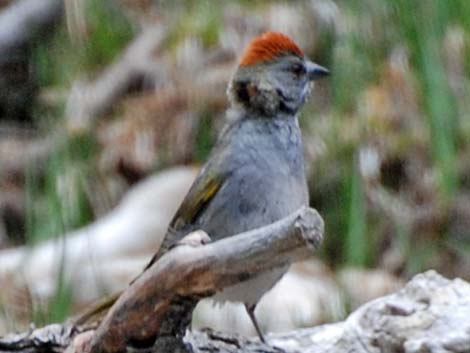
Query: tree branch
160, 302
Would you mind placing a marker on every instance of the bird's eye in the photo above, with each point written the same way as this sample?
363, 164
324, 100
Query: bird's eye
298, 70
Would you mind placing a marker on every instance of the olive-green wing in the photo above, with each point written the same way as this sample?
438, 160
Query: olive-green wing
198, 198
202, 192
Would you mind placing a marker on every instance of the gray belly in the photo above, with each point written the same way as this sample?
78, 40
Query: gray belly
251, 291
254, 198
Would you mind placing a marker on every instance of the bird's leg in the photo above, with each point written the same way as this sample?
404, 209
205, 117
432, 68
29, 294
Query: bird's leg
251, 313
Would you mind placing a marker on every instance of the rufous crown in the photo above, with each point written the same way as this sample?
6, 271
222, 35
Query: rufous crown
269, 46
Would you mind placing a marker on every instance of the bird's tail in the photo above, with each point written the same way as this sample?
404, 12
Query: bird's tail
96, 311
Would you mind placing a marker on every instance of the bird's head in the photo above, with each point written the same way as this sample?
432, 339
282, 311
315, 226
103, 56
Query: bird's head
273, 76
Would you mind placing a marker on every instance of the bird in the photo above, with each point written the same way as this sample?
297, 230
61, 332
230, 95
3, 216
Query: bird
255, 174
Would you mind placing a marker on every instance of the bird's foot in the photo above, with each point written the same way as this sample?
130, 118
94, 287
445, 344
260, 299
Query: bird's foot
196, 238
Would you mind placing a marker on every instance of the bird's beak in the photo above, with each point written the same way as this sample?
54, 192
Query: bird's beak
316, 71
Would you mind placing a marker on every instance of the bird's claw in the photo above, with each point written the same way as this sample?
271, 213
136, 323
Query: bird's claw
196, 238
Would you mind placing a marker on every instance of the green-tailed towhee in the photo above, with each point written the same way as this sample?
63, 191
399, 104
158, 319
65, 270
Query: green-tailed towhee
255, 174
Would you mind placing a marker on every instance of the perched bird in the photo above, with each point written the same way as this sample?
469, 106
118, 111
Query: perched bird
255, 174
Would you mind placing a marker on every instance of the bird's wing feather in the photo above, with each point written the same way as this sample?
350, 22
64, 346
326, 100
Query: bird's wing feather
199, 196
205, 187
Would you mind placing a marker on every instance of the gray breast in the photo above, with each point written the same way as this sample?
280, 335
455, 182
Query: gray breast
267, 177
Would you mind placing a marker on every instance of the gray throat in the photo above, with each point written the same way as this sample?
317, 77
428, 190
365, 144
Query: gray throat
280, 132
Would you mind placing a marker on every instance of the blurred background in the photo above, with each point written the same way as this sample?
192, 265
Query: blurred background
107, 108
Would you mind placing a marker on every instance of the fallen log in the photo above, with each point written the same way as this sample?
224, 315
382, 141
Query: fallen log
430, 314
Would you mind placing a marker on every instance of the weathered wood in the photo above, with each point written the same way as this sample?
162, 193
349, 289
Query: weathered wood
189, 273
429, 315
51, 338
